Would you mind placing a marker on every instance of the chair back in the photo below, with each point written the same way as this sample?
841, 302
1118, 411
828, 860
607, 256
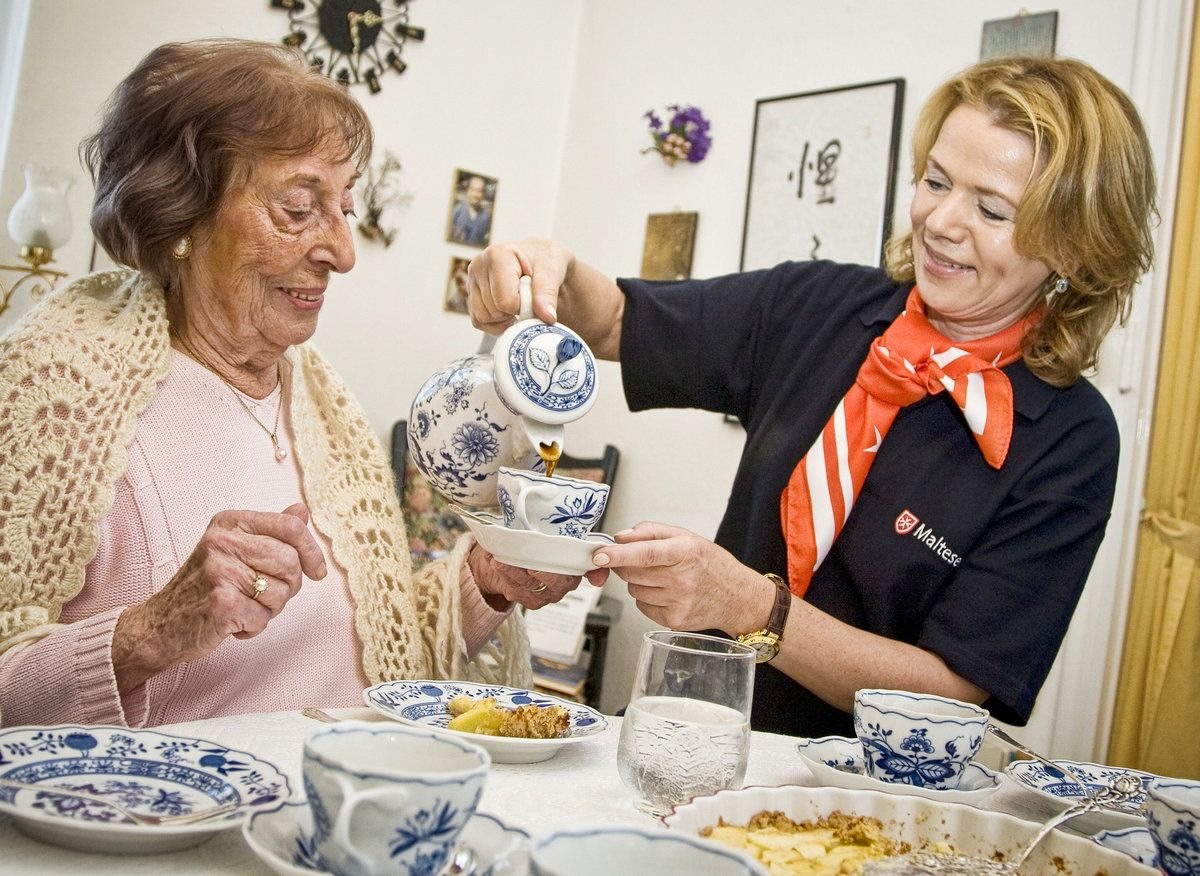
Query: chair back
601, 469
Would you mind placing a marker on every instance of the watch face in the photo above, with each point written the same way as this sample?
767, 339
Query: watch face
352, 41
764, 644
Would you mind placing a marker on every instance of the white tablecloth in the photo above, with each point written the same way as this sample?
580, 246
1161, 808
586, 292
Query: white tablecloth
579, 785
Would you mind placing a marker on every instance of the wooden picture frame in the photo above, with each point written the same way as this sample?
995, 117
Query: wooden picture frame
456, 286
472, 204
668, 247
1023, 34
823, 175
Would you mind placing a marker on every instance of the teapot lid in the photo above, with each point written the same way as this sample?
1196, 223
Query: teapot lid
542, 371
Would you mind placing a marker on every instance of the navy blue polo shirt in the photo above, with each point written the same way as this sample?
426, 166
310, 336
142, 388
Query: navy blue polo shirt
982, 567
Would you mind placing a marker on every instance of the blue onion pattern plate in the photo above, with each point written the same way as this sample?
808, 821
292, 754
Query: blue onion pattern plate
282, 838
424, 704
1056, 787
1133, 841
143, 770
838, 762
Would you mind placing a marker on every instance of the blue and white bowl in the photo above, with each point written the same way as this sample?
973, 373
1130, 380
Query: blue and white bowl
635, 851
1173, 813
1133, 841
917, 739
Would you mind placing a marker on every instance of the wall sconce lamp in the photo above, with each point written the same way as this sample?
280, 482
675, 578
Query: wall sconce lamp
40, 223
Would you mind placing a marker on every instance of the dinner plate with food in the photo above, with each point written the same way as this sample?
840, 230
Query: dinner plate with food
795, 829
837, 761
514, 725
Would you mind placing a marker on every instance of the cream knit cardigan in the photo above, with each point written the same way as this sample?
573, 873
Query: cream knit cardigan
74, 376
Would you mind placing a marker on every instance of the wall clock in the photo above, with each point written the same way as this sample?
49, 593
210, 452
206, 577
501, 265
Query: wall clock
352, 41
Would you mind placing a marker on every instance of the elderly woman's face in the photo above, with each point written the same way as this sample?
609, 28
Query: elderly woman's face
971, 277
266, 262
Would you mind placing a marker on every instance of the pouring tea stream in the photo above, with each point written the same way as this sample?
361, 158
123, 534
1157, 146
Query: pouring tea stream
506, 405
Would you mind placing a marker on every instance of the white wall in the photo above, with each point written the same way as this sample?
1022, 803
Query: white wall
547, 95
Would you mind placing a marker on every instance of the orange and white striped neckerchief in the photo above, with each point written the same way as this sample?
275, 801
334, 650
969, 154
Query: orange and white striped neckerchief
910, 360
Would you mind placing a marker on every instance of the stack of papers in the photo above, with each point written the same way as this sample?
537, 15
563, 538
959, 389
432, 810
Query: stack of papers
556, 631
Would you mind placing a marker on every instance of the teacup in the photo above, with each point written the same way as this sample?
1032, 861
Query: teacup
635, 851
917, 739
387, 798
1173, 815
555, 505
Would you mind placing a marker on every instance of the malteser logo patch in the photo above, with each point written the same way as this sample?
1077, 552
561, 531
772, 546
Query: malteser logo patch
906, 521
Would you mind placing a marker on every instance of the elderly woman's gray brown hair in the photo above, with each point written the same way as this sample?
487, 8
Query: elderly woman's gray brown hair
188, 123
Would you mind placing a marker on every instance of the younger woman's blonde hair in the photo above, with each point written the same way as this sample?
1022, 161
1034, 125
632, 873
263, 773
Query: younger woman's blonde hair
1088, 210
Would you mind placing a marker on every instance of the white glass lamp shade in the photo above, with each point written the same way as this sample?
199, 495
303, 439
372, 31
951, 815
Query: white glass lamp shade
40, 217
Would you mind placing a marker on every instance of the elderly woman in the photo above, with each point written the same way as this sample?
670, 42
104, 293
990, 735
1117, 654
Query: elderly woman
926, 477
177, 465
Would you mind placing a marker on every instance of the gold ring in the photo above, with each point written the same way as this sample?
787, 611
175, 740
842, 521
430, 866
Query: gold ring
541, 588
260, 585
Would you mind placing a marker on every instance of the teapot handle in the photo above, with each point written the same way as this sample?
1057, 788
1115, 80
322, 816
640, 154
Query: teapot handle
525, 290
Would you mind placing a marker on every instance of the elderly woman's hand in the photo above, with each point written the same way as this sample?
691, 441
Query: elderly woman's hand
525, 586
686, 582
492, 281
213, 596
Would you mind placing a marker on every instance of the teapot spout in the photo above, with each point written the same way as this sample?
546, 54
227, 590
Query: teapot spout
545, 441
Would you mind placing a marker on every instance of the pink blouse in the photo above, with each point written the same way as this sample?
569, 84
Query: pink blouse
197, 452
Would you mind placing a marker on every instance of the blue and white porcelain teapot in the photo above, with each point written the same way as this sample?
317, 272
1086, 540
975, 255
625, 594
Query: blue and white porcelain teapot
504, 406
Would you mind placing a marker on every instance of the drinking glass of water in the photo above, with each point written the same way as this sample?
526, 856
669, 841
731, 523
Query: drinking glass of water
686, 732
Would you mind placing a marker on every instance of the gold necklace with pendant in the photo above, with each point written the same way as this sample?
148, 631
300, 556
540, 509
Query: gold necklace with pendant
273, 432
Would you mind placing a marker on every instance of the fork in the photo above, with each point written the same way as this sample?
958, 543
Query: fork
135, 817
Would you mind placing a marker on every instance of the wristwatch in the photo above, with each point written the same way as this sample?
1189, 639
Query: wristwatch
766, 641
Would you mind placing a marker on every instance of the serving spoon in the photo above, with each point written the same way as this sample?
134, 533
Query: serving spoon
1024, 749
958, 864
136, 817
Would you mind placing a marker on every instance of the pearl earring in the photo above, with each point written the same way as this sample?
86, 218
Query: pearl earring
182, 249
1061, 285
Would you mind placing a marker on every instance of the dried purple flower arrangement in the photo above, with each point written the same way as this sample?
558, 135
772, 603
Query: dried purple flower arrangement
685, 137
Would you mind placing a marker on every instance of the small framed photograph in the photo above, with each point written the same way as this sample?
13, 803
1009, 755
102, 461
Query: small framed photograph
667, 251
822, 175
456, 285
472, 202
1023, 34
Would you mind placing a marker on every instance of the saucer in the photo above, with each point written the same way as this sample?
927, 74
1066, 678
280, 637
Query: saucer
424, 704
529, 549
1055, 787
838, 761
148, 772
1136, 842
283, 839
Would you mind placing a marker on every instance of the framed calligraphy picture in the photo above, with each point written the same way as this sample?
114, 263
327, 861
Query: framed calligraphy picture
823, 175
